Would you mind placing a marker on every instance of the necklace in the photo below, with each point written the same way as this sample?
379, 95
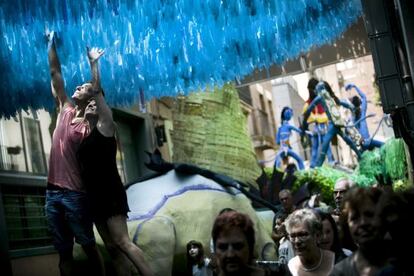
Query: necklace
316, 266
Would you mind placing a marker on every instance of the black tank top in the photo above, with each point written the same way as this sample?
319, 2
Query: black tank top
97, 159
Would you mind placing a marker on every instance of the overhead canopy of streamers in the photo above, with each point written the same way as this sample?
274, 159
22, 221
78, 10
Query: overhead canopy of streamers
158, 47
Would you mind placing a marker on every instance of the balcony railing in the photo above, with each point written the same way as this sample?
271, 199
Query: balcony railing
25, 217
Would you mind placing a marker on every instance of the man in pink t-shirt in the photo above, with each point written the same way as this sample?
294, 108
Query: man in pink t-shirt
67, 208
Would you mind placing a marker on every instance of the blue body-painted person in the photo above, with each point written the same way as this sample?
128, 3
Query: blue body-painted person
359, 117
318, 125
337, 124
282, 138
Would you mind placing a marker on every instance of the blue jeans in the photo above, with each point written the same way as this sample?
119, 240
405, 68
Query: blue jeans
69, 218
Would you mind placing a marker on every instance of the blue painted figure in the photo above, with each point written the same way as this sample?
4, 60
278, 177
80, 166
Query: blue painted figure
359, 117
318, 125
282, 138
337, 124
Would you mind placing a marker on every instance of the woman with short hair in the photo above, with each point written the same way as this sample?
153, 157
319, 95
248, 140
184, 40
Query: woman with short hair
304, 228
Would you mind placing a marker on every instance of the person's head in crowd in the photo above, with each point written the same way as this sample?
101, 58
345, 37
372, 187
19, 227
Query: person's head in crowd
342, 185
279, 231
361, 217
311, 88
225, 210
330, 238
222, 211
362, 220
233, 240
286, 199
304, 230
195, 253
396, 210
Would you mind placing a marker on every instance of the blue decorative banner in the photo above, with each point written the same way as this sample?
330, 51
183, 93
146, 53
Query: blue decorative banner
159, 47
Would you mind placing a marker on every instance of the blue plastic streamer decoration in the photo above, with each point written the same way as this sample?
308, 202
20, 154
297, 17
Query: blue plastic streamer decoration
160, 47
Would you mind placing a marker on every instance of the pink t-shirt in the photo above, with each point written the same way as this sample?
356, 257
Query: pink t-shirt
63, 165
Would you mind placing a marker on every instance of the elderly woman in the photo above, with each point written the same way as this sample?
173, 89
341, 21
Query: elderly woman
361, 219
304, 228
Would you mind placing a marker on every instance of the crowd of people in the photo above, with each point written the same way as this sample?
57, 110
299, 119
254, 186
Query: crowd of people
361, 235
311, 242
366, 239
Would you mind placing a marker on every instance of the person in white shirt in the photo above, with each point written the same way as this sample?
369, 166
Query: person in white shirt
304, 228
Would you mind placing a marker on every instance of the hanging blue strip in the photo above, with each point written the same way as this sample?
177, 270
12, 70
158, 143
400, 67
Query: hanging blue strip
160, 47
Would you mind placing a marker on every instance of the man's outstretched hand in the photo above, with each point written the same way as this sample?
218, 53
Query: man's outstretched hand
94, 53
50, 36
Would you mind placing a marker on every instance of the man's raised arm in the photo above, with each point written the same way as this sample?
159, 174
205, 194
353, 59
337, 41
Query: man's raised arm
58, 87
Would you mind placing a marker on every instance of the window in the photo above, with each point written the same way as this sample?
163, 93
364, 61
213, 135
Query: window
25, 217
11, 143
34, 150
22, 143
262, 103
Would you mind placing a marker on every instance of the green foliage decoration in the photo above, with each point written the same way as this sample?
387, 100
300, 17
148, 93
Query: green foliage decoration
389, 162
320, 179
370, 164
393, 155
